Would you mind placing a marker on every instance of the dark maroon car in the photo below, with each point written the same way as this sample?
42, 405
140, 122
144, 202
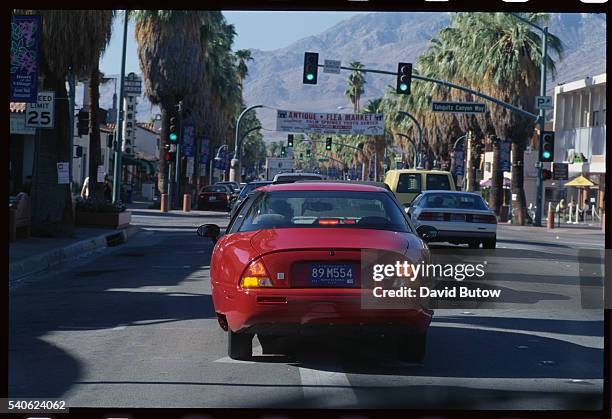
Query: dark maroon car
215, 197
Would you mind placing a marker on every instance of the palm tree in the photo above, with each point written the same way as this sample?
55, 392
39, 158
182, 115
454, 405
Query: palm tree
67, 48
170, 55
243, 56
355, 84
98, 37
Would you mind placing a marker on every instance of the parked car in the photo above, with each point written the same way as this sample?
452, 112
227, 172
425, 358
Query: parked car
294, 177
406, 184
234, 185
292, 246
459, 217
244, 192
217, 197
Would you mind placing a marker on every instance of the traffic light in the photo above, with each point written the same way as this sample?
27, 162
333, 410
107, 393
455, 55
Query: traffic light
283, 151
83, 122
311, 67
301, 155
328, 144
290, 140
546, 174
78, 151
110, 140
173, 130
308, 152
547, 146
404, 78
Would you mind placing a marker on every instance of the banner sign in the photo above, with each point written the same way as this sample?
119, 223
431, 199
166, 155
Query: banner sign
188, 140
458, 107
25, 35
204, 145
17, 122
330, 123
504, 156
458, 169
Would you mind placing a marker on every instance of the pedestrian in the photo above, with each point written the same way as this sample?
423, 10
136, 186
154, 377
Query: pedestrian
108, 189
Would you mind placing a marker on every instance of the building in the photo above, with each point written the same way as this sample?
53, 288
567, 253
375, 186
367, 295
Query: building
21, 149
579, 123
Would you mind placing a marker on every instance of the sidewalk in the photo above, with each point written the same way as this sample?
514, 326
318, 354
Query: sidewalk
36, 254
565, 228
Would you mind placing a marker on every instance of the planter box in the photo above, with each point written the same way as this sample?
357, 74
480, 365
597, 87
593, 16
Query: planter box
103, 219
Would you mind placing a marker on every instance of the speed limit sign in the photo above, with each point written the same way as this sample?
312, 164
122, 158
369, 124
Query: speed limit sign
42, 113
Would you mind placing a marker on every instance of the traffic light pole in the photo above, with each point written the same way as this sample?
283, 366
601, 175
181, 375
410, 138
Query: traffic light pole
119, 125
177, 164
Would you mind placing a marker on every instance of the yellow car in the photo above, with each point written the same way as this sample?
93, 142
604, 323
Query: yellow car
406, 184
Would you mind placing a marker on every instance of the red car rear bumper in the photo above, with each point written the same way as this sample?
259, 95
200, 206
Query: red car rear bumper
282, 310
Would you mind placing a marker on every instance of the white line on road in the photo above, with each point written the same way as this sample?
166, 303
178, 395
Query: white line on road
328, 389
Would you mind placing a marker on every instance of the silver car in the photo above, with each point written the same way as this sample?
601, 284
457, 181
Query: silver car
459, 217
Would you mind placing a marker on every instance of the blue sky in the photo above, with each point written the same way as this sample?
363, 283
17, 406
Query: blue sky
261, 30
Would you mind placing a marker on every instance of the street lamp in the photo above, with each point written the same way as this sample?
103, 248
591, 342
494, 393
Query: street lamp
216, 158
419, 162
235, 163
542, 114
119, 125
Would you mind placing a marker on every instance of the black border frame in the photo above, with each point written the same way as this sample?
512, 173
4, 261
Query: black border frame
557, 6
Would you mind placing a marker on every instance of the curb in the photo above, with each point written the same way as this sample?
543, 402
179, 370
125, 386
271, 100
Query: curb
39, 263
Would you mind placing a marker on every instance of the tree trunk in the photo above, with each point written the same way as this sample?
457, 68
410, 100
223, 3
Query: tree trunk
497, 178
52, 203
95, 188
519, 207
162, 180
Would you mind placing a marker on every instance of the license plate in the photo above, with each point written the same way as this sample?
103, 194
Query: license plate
457, 217
332, 275
212, 198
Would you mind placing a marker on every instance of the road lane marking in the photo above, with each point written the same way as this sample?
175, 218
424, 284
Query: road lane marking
329, 388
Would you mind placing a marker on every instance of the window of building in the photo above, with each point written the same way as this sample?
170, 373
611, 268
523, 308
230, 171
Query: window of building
595, 119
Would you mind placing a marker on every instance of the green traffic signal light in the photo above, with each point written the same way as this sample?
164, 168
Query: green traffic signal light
546, 154
403, 87
173, 136
309, 76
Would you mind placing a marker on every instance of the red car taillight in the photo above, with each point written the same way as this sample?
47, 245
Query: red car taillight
255, 276
485, 219
431, 216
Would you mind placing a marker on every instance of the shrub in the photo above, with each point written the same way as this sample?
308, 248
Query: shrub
92, 205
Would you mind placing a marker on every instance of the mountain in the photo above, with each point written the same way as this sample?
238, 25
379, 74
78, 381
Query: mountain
381, 40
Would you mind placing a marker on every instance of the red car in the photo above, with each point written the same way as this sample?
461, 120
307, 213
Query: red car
289, 263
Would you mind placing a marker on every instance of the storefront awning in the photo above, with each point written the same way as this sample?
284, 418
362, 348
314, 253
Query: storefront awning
580, 182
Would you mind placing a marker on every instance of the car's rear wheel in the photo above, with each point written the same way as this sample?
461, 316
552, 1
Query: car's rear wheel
239, 345
412, 347
490, 243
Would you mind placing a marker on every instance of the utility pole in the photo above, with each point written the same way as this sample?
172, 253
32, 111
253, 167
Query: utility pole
469, 172
119, 125
177, 164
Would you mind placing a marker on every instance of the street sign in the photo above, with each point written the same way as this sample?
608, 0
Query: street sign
42, 113
132, 84
560, 171
331, 66
458, 107
330, 123
544, 102
63, 178
504, 156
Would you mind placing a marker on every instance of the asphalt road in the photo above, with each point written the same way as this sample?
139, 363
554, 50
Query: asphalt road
134, 327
